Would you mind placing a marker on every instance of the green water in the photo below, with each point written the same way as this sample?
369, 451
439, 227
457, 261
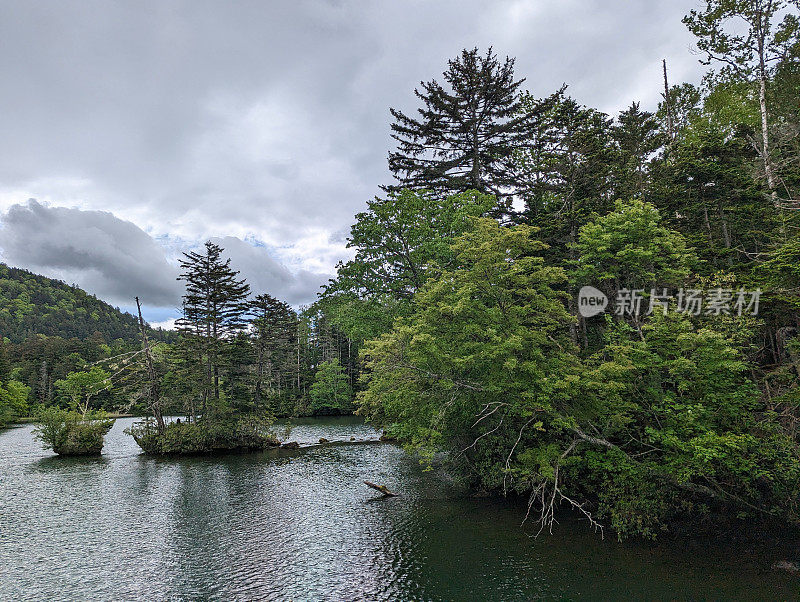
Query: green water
300, 525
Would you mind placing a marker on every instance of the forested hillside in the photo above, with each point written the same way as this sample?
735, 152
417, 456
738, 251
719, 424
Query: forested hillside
31, 304
49, 329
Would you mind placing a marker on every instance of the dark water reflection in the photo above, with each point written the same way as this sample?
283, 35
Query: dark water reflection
300, 525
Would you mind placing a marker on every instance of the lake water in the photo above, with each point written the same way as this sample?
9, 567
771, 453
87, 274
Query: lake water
301, 525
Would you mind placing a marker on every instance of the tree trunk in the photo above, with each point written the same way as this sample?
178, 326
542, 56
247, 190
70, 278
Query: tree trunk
382, 488
762, 100
153, 392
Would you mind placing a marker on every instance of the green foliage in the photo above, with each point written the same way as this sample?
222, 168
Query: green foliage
467, 130
396, 241
630, 248
681, 412
660, 424
34, 305
331, 393
13, 401
467, 327
248, 432
721, 37
80, 387
214, 313
275, 329
567, 168
487, 340
71, 433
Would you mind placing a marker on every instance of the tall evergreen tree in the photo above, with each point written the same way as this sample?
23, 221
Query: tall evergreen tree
567, 171
637, 138
274, 339
214, 311
467, 130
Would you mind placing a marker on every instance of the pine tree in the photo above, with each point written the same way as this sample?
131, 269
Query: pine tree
274, 333
637, 138
214, 312
567, 170
465, 135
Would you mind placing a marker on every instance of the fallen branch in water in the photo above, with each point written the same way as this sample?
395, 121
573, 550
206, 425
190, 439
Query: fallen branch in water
381, 488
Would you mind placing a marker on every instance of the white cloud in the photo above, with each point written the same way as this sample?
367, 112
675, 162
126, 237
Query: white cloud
165, 324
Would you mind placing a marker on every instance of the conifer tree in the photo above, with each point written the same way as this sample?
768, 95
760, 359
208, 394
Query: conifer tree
274, 334
636, 137
566, 169
214, 311
467, 130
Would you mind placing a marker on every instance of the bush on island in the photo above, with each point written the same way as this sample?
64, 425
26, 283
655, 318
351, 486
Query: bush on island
242, 433
72, 433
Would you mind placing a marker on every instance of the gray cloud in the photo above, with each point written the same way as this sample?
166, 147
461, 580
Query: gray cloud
117, 260
269, 121
103, 254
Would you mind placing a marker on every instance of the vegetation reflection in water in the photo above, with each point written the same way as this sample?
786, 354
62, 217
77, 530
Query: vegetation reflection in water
301, 525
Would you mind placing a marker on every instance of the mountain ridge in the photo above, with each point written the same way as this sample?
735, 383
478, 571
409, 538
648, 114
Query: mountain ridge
32, 304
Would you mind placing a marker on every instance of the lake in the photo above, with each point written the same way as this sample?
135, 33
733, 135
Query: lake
301, 525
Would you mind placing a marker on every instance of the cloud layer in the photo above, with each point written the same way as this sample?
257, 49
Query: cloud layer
112, 258
268, 121
117, 261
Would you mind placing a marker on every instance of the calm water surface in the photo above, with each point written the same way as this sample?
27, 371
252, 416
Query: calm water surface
300, 525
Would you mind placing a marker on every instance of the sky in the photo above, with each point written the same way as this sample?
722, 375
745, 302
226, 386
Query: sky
134, 131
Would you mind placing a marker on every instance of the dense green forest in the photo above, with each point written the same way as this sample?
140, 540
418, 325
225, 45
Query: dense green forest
681, 400
49, 329
271, 368
34, 305
458, 326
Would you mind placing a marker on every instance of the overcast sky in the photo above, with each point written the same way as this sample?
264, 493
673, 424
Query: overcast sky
142, 129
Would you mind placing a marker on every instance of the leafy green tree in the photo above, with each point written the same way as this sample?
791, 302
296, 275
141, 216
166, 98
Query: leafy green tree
396, 240
631, 248
484, 360
670, 427
70, 433
80, 387
13, 401
467, 130
33, 305
331, 392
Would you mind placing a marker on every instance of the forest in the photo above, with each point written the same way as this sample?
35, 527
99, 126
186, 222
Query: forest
457, 325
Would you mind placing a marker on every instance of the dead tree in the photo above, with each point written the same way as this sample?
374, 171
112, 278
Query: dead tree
153, 394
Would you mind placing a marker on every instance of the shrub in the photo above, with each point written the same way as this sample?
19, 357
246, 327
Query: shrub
70, 433
245, 433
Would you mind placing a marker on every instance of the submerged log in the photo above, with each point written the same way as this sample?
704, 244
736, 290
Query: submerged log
382, 488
